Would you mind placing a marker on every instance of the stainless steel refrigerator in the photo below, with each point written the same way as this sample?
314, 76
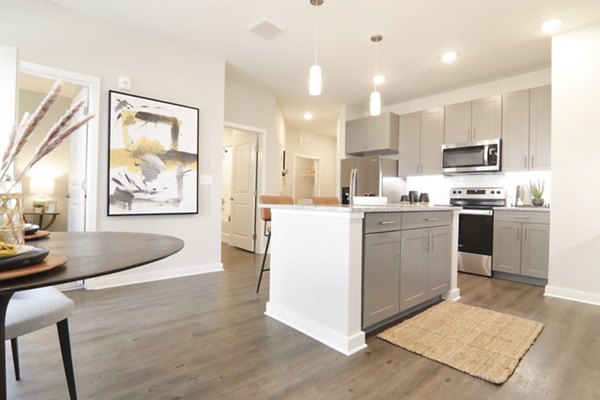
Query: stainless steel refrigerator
377, 176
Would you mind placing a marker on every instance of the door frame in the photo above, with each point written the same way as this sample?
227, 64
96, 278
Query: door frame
318, 174
260, 241
93, 84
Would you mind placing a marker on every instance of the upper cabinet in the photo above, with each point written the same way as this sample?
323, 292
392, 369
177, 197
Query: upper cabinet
421, 138
372, 135
526, 130
473, 120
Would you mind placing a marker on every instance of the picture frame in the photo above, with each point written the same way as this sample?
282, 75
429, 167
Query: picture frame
50, 207
153, 156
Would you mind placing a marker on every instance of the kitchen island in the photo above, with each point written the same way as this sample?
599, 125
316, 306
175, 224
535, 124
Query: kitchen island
316, 281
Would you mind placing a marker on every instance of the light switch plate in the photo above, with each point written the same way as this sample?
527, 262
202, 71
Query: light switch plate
206, 180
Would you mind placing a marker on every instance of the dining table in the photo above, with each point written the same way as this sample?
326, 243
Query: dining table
89, 255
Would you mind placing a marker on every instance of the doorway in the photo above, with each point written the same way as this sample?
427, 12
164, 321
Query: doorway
73, 173
239, 190
306, 179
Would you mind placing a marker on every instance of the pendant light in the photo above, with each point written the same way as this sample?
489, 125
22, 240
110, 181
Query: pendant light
314, 77
375, 98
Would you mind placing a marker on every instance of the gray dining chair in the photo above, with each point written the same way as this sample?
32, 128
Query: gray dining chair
31, 310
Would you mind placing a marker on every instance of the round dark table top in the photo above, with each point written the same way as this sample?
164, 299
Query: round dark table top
92, 254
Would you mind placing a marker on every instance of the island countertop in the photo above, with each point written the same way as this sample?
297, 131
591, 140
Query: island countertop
360, 209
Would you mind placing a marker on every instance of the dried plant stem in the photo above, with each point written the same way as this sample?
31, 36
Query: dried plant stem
6, 156
58, 139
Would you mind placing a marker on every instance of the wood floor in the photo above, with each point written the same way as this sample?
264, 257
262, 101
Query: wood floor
206, 337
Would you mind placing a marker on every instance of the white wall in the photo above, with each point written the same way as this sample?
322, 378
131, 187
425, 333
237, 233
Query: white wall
251, 108
575, 221
324, 149
51, 35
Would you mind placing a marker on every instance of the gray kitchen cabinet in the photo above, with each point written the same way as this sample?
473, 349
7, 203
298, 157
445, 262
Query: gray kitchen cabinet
421, 138
372, 135
406, 261
381, 291
526, 129
475, 120
413, 274
521, 243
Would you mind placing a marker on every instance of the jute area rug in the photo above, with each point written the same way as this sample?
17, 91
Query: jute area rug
483, 343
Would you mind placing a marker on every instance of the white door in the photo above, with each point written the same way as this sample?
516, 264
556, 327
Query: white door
78, 171
8, 94
243, 190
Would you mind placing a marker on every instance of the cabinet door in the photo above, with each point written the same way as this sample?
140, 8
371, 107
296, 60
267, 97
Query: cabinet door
457, 125
357, 132
439, 261
413, 268
410, 143
381, 277
539, 130
506, 255
534, 259
383, 134
432, 137
486, 118
515, 131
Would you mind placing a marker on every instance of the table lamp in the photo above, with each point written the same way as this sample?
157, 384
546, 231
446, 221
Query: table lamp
41, 187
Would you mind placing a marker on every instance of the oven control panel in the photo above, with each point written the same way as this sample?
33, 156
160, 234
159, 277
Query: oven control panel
478, 193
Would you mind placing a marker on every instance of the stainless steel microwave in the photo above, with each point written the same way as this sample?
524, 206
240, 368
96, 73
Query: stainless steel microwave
473, 157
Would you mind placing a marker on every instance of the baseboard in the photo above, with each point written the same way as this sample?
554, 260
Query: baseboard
133, 277
452, 295
574, 295
346, 345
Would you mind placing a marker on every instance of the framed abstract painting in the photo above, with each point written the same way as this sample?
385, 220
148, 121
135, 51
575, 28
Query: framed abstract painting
153, 156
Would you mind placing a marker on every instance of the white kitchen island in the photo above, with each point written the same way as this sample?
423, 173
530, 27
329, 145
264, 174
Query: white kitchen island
316, 269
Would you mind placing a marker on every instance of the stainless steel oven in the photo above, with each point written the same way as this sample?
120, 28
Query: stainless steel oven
476, 227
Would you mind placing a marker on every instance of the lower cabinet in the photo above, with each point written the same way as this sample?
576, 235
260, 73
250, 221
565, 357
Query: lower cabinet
425, 261
405, 267
381, 274
521, 248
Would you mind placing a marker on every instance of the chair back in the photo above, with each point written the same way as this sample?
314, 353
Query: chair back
326, 200
265, 213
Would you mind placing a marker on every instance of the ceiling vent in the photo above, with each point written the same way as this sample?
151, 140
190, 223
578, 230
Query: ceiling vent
266, 28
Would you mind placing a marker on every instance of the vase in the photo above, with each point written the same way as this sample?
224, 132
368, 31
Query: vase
537, 201
11, 217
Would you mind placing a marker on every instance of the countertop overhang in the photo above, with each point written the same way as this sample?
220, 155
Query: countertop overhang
360, 209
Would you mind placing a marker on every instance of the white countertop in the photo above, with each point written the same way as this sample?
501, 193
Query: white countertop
360, 209
524, 209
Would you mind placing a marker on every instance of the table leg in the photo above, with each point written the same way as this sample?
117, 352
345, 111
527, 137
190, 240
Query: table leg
4, 299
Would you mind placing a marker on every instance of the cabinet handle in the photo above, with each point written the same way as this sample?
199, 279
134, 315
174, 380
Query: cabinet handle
431, 219
428, 246
521, 217
432, 242
525, 235
518, 234
525, 161
474, 130
468, 133
532, 162
387, 222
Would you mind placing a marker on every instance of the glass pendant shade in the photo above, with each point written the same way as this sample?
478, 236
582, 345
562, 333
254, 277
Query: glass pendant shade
314, 80
375, 103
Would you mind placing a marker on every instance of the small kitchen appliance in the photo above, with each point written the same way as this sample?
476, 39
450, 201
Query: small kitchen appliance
476, 226
472, 157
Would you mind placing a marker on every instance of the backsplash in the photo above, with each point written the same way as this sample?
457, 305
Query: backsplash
438, 186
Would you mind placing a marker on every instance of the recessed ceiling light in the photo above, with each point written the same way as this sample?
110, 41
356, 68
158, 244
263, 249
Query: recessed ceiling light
551, 26
449, 57
378, 79
308, 116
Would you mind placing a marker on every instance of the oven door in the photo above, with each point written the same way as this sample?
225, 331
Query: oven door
475, 240
475, 233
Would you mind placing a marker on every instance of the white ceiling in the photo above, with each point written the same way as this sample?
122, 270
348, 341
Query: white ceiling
494, 39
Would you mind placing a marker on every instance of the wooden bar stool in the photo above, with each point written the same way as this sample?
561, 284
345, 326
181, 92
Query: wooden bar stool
265, 214
333, 201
